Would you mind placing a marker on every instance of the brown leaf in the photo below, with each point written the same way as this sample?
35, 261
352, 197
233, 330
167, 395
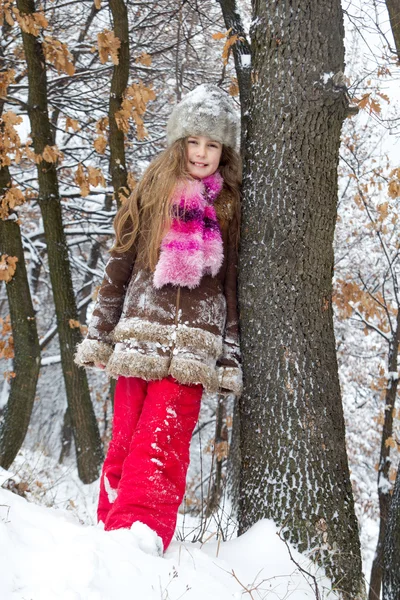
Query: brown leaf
8, 266
71, 124
31, 23
362, 103
12, 198
220, 35
144, 59
227, 47
52, 154
108, 45
6, 78
100, 144
57, 54
234, 87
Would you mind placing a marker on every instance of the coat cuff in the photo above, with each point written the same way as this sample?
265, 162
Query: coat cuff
231, 379
90, 352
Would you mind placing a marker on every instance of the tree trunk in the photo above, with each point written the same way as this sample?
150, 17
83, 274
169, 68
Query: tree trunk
84, 425
118, 86
391, 574
17, 413
294, 463
26, 364
393, 7
242, 58
220, 452
384, 466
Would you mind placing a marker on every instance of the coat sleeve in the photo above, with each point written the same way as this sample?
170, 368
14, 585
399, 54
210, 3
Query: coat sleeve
229, 364
97, 347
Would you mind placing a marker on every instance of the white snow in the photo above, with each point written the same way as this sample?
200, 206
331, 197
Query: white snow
245, 60
47, 554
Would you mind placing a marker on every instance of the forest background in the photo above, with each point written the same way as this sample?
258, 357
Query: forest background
93, 150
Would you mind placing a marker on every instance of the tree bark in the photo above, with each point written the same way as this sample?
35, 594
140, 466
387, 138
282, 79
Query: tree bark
86, 433
384, 466
242, 58
294, 464
393, 7
391, 574
26, 363
17, 413
119, 175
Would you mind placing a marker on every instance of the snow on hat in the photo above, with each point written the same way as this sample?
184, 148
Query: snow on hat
206, 110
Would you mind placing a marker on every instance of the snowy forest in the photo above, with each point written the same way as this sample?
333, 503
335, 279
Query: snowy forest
293, 489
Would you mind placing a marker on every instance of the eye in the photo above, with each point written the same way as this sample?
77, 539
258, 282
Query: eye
192, 141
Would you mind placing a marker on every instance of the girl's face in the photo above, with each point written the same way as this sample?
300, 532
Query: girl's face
203, 155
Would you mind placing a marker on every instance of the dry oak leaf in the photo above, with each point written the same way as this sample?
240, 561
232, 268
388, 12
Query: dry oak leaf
57, 54
144, 59
32, 22
230, 40
71, 124
394, 183
8, 266
7, 348
9, 139
234, 87
109, 45
97, 4
101, 125
6, 345
100, 144
12, 198
9, 375
134, 105
81, 180
52, 154
6, 78
93, 177
5, 13
6, 328
390, 443
76, 325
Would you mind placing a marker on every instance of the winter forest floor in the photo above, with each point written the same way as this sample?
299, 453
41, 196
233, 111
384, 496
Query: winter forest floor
57, 552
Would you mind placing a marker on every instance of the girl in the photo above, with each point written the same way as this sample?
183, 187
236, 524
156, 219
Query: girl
165, 323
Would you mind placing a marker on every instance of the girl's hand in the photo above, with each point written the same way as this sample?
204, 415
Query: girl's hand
100, 365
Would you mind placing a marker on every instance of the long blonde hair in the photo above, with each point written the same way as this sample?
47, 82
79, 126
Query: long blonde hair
148, 210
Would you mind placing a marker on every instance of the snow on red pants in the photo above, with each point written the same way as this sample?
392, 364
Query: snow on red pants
144, 473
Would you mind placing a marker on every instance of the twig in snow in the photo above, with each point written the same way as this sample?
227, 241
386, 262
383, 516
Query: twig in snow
302, 571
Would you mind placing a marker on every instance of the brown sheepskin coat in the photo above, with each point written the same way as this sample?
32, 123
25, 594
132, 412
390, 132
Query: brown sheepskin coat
137, 330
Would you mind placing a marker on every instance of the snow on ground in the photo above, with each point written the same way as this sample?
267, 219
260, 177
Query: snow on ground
54, 554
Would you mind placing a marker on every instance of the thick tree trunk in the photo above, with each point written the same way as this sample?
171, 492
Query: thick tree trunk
84, 425
384, 466
294, 462
118, 86
391, 575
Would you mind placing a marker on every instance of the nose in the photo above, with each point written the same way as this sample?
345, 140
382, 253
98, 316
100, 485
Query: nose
201, 150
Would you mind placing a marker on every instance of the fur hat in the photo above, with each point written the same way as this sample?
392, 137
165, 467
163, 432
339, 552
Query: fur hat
206, 110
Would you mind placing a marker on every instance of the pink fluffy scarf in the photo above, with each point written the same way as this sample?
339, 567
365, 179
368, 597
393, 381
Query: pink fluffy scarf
193, 245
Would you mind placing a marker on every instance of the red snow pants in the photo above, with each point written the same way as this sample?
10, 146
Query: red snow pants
144, 473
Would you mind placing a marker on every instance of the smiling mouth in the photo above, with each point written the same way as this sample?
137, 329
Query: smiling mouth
196, 164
